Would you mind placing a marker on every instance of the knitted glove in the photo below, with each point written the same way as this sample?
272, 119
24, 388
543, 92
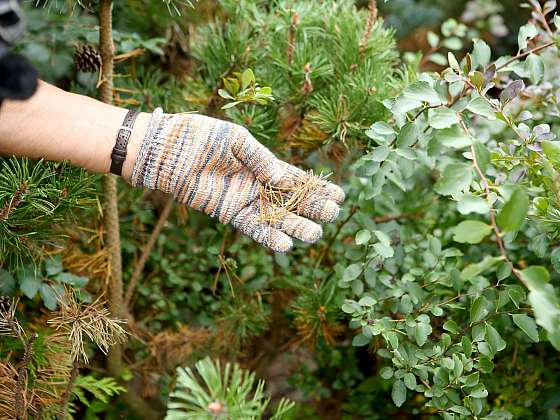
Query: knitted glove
219, 168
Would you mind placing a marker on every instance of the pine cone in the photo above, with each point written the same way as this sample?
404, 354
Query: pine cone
87, 58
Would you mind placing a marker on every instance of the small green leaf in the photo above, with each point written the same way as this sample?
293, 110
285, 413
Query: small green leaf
410, 381
352, 272
482, 155
407, 136
7, 283
53, 265
526, 33
69, 278
247, 78
360, 340
471, 232
386, 372
477, 79
451, 326
384, 250
479, 309
378, 154
470, 204
231, 105
398, 392
49, 296
443, 118
494, 338
453, 63
422, 331
511, 216
503, 271
29, 282
367, 301
467, 346
422, 91
225, 94
534, 66
363, 237
481, 53
555, 259
382, 128
453, 137
480, 107
479, 391
527, 325
456, 177
552, 150
472, 379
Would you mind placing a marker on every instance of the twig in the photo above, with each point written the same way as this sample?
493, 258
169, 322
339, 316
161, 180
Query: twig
146, 252
292, 37
486, 186
69, 388
22, 378
392, 217
372, 17
353, 211
525, 54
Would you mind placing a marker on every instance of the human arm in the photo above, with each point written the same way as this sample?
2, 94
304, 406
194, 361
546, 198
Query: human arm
57, 125
211, 165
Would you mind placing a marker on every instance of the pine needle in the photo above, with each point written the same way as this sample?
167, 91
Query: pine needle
276, 202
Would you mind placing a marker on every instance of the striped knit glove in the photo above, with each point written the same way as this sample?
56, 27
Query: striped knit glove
219, 168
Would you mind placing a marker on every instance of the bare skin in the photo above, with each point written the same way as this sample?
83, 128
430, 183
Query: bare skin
57, 125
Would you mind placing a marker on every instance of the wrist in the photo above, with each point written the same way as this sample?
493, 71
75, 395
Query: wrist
134, 143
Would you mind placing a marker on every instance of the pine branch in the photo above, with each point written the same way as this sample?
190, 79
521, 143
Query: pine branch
372, 17
9, 207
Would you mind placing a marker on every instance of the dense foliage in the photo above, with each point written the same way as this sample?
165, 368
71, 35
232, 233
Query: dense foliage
436, 293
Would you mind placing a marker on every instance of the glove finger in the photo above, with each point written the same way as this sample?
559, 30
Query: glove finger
300, 228
257, 158
293, 176
321, 209
248, 222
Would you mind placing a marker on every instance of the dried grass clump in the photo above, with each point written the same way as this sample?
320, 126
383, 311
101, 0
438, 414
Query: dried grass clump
171, 348
8, 381
93, 320
276, 202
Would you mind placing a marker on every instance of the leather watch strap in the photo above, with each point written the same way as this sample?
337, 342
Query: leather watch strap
118, 155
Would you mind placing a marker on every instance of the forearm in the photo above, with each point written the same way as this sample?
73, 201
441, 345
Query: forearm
57, 125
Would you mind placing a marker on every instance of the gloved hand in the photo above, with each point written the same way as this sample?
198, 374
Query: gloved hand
219, 168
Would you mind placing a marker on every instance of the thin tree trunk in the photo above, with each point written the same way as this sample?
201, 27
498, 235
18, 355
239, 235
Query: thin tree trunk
110, 209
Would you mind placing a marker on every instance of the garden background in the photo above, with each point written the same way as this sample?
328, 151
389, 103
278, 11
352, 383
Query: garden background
435, 295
